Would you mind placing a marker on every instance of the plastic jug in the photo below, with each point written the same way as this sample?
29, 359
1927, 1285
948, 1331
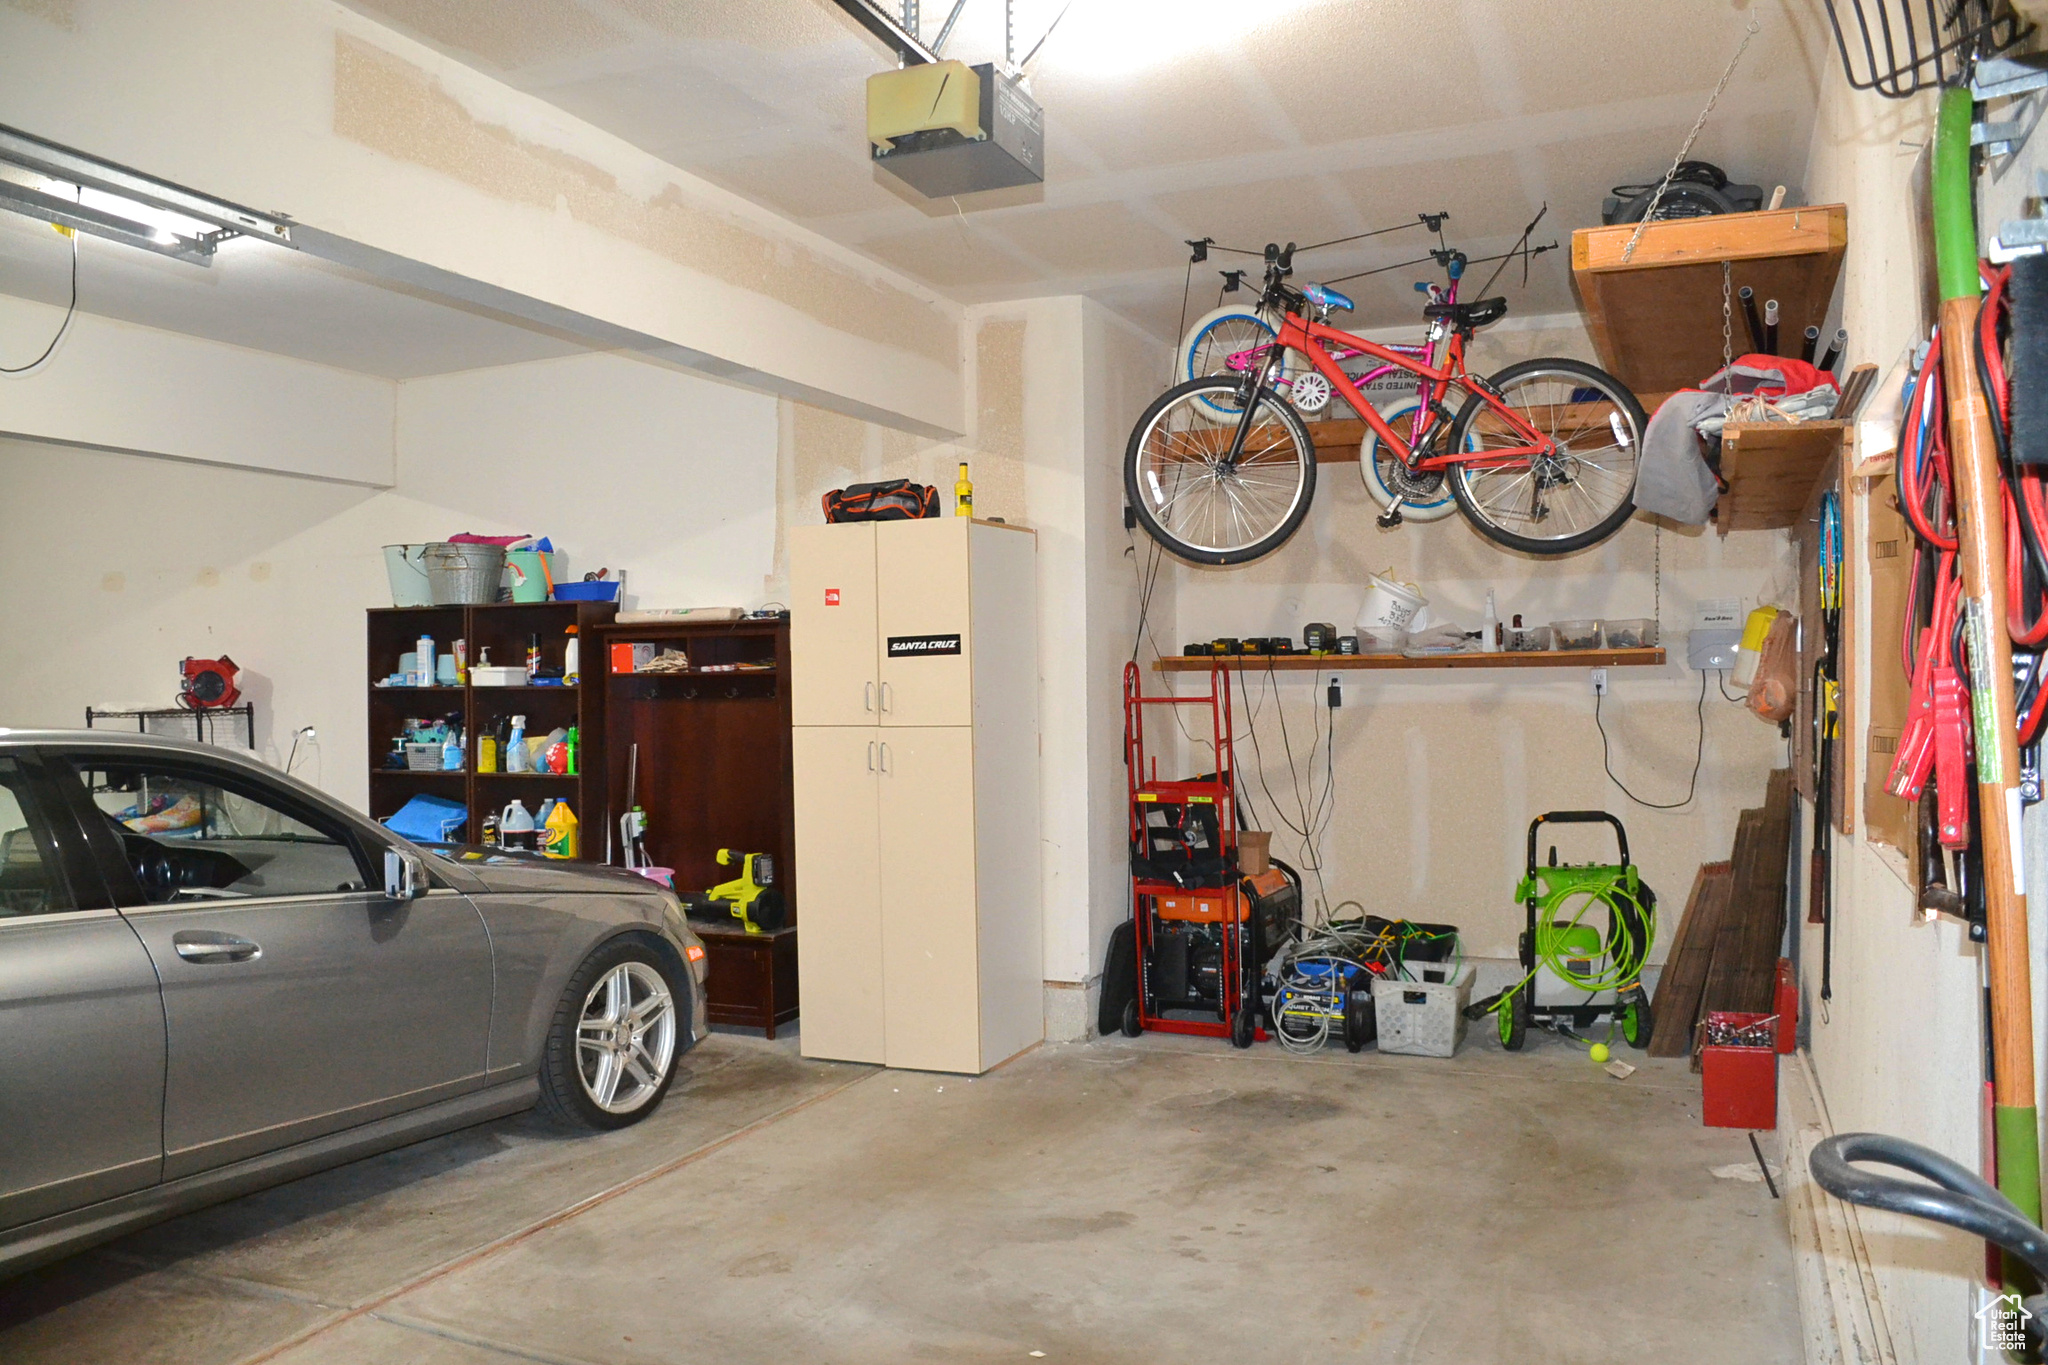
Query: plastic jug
560, 838
515, 826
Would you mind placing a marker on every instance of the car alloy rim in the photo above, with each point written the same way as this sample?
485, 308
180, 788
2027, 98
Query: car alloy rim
625, 1038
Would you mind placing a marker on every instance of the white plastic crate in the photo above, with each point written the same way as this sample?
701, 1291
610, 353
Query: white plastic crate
1422, 1018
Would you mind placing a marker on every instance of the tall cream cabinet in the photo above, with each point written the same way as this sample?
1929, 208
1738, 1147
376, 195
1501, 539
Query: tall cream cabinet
914, 696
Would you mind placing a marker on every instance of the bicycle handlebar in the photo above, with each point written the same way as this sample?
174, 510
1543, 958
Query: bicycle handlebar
1958, 1197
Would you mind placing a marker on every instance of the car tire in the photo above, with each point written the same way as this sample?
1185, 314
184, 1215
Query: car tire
621, 1027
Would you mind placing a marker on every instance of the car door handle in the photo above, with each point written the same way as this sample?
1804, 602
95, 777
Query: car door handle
205, 946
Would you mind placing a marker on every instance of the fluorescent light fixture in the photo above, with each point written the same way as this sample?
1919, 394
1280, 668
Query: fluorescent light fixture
57, 184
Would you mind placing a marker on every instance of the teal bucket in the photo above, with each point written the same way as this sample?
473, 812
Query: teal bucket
529, 579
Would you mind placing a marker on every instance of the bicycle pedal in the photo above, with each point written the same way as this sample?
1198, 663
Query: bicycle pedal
1388, 520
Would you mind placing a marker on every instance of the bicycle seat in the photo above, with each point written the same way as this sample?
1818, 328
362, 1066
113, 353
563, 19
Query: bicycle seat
1322, 296
1469, 316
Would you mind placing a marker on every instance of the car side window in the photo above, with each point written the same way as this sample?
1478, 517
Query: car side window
188, 835
31, 879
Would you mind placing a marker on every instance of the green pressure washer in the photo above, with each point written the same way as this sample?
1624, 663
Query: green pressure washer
1583, 956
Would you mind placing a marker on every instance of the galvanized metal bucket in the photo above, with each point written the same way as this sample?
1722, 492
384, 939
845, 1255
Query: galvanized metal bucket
464, 574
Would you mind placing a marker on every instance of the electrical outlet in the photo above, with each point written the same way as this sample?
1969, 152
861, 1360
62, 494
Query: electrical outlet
1599, 682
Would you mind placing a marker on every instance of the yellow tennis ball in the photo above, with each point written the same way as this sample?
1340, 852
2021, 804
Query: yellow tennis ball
1599, 1052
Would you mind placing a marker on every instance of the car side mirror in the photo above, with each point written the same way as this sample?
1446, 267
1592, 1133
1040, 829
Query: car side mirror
405, 877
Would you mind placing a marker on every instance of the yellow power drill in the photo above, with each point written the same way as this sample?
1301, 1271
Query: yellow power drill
753, 896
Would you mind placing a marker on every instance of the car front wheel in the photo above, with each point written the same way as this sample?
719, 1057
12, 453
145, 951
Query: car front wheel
612, 1046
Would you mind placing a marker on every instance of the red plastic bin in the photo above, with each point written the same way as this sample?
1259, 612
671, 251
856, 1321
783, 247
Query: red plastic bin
1739, 1085
1787, 1001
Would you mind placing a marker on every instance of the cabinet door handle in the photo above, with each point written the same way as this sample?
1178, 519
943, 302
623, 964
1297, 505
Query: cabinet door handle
871, 755
885, 757
867, 696
885, 694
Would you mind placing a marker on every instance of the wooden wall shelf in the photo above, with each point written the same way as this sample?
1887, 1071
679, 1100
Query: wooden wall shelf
1655, 319
1311, 663
1771, 469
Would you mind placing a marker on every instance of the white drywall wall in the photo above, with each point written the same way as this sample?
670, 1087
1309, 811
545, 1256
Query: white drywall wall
1437, 774
123, 387
1900, 1047
128, 564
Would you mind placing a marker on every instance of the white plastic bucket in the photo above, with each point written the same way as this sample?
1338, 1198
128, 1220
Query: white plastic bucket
1389, 606
405, 566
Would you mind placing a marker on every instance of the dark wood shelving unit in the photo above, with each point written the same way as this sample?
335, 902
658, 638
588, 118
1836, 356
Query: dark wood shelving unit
714, 772
505, 628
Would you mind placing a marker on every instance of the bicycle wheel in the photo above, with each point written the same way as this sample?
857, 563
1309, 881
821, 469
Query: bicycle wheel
1221, 334
1427, 494
1194, 499
1557, 503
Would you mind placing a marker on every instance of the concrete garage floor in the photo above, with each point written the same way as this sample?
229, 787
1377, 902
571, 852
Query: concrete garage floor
1118, 1201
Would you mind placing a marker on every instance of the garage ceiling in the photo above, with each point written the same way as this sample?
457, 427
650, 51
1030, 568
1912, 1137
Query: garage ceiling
1172, 119
267, 298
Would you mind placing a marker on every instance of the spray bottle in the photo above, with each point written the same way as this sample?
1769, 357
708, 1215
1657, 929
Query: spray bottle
963, 494
515, 749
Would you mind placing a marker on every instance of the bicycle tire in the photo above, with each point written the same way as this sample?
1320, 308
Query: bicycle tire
1216, 336
1144, 489
1606, 521
1381, 484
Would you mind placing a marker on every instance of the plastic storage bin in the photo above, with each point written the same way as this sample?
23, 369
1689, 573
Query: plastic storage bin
1527, 639
1422, 1018
1382, 640
1575, 634
1636, 632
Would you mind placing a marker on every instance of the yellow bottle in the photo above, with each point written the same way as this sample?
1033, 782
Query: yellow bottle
963, 494
486, 753
559, 838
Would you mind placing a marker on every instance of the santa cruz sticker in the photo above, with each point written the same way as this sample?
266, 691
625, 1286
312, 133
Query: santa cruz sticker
922, 646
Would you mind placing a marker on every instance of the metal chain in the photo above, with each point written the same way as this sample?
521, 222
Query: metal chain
1727, 332
1657, 577
1629, 251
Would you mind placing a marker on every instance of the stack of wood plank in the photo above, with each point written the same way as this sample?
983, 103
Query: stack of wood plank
1724, 955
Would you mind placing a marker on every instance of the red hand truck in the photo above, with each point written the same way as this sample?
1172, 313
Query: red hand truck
1197, 940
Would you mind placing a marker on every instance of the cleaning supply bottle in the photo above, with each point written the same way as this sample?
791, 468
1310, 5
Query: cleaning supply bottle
451, 751
515, 826
575, 743
462, 663
532, 657
423, 662
561, 837
1489, 627
963, 494
515, 749
571, 657
540, 817
487, 753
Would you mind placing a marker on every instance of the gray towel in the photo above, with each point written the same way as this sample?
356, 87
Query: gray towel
1673, 479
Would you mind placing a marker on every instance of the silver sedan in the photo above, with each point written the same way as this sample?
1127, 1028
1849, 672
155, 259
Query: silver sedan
214, 978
